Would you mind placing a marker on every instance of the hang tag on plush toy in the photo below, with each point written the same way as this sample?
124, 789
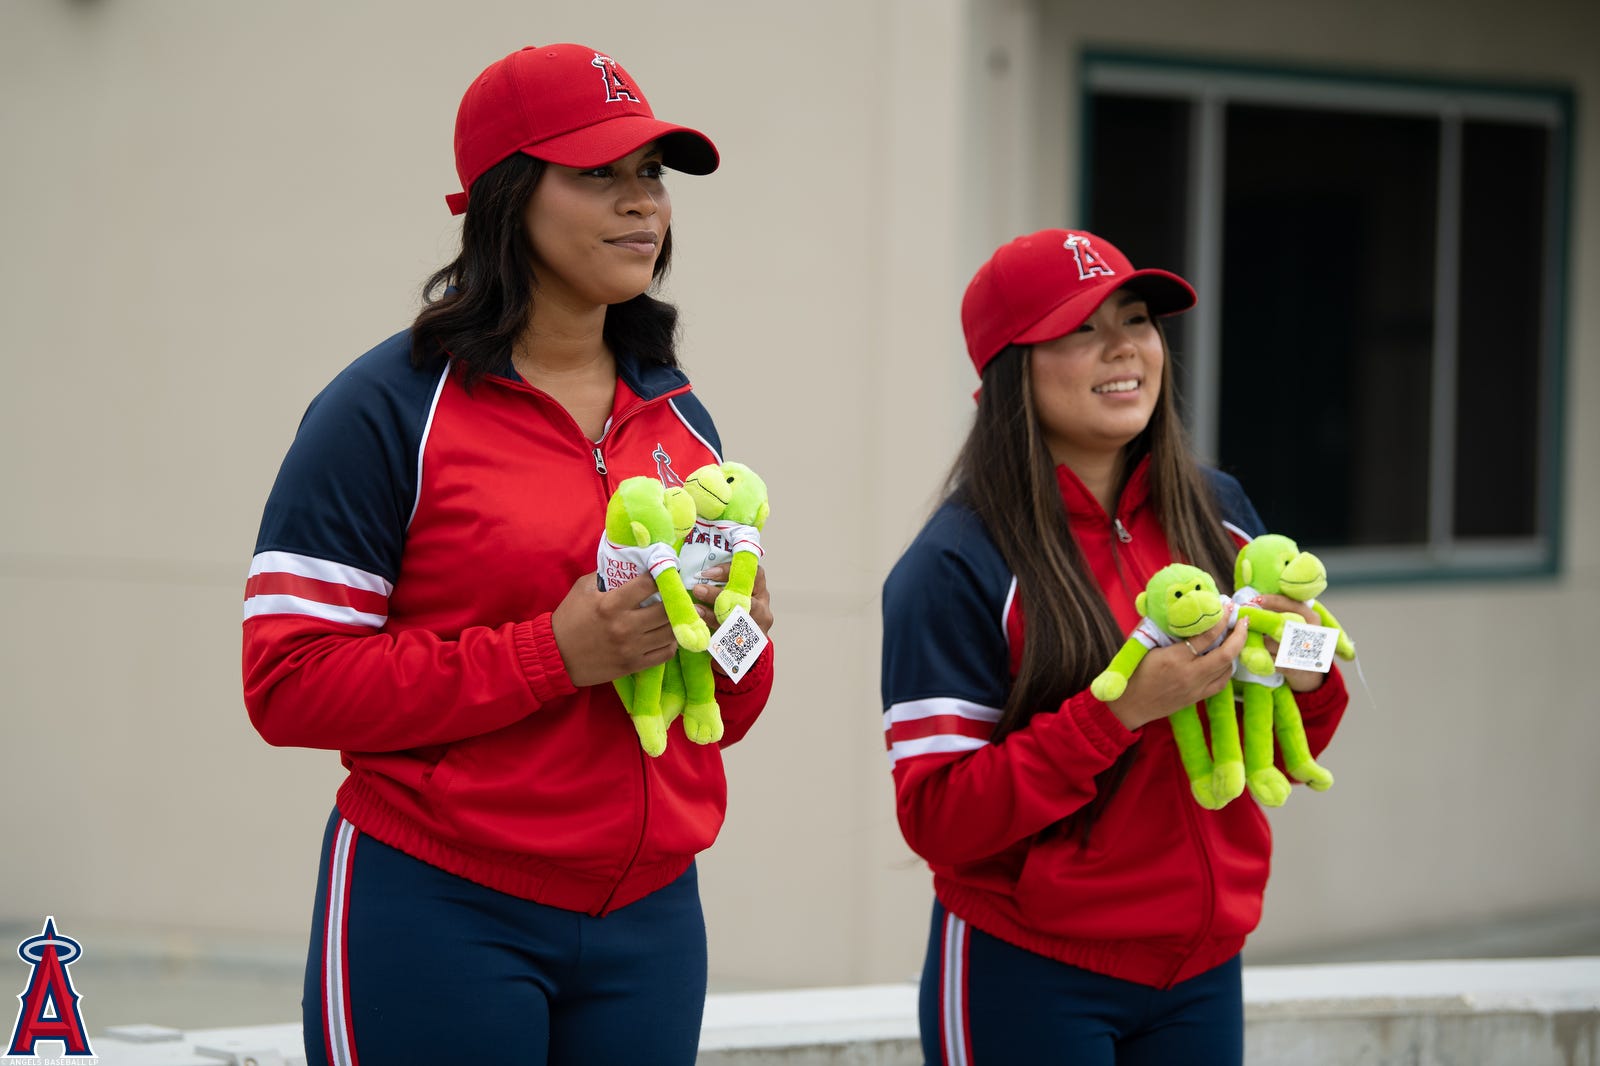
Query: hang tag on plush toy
1306, 647
737, 643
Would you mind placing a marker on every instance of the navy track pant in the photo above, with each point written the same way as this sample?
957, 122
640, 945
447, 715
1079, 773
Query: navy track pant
410, 964
988, 1003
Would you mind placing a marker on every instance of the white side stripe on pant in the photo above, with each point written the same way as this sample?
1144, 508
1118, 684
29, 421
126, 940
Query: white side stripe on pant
340, 1052
953, 992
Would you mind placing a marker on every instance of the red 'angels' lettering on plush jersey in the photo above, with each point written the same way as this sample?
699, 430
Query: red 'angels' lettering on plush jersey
1089, 261
616, 88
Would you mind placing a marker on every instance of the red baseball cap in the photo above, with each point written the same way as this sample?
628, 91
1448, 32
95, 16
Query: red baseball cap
1044, 285
566, 104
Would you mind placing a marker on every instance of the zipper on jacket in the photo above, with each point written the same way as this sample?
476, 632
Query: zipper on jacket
599, 461
644, 824
1122, 531
1208, 902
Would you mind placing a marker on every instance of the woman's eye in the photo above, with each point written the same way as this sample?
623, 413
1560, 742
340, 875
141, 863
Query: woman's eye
653, 171
596, 172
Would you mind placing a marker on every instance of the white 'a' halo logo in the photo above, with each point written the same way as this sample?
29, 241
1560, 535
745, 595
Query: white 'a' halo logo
616, 89
1089, 261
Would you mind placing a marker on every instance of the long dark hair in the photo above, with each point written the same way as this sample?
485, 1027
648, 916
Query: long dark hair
1006, 475
477, 305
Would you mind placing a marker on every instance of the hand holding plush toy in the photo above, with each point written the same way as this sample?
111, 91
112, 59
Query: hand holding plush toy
645, 523
1179, 602
1273, 564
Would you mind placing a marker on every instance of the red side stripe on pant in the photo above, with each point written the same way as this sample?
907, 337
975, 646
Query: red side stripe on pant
336, 1016
954, 1038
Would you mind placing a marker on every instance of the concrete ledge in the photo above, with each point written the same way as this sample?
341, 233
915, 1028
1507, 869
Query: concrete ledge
1521, 1012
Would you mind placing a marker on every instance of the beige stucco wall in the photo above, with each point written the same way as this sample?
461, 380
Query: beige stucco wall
209, 208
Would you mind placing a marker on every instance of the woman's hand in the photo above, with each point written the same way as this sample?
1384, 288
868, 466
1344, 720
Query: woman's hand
1170, 679
604, 635
705, 597
1299, 680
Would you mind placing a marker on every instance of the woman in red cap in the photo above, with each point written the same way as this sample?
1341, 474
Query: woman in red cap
1086, 908
506, 876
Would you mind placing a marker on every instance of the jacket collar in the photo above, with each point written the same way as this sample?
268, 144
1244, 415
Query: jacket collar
648, 381
1083, 507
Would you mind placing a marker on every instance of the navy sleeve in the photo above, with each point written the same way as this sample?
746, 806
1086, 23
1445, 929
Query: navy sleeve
1234, 504
347, 486
943, 617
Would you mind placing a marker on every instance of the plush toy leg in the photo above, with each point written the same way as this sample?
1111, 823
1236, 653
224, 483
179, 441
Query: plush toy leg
646, 710
741, 581
671, 692
702, 720
1191, 741
624, 687
1227, 777
1266, 781
1292, 741
1254, 656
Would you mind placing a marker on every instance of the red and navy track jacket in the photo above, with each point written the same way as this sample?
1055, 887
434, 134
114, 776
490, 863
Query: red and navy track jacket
1165, 889
412, 550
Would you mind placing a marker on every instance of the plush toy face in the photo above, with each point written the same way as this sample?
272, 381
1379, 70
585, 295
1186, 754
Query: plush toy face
732, 492
680, 507
1274, 564
1183, 600
637, 513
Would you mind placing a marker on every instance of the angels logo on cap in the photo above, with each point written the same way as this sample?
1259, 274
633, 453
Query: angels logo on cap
616, 88
1089, 261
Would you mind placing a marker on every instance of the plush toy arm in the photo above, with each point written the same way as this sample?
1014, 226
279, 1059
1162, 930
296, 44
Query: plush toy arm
1255, 656
1263, 621
1344, 649
690, 631
1113, 681
741, 581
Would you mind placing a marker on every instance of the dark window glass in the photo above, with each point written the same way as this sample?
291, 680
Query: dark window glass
1503, 204
1327, 320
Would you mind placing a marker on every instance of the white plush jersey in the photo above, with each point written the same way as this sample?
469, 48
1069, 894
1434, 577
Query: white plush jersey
1251, 597
712, 544
620, 563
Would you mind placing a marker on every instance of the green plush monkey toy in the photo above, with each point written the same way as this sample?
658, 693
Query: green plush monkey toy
1272, 564
732, 503
1179, 602
645, 522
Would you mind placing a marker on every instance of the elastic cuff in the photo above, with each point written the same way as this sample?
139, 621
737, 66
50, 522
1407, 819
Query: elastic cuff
1099, 726
754, 676
1329, 694
541, 660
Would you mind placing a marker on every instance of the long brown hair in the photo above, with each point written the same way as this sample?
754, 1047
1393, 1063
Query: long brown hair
476, 306
1006, 476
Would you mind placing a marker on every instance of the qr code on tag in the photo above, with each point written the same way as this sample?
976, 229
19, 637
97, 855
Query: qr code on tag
737, 643
1306, 647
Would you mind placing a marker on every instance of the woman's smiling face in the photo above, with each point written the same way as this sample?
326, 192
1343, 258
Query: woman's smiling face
1094, 389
